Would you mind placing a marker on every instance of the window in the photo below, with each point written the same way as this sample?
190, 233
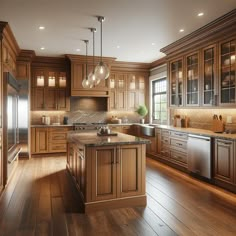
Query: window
159, 101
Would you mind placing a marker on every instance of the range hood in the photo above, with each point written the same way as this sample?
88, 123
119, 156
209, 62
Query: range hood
89, 103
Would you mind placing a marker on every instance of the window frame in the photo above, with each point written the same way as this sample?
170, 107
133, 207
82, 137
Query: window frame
153, 94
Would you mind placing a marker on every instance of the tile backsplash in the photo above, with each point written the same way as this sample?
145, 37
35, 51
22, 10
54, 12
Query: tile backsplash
83, 116
202, 118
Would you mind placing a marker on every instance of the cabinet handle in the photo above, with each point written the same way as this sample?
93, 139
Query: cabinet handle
179, 144
225, 143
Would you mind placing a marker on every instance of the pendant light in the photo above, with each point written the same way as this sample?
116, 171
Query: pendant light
85, 82
101, 70
91, 77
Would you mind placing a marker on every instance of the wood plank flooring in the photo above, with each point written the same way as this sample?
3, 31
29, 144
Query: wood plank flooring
41, 200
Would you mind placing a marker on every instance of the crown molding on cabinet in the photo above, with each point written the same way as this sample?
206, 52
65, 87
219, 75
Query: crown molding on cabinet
220, 28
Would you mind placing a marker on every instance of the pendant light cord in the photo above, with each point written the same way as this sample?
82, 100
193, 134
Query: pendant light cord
86, 59
93, 48
101, 39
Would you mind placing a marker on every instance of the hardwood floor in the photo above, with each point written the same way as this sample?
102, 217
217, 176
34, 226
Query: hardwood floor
41, 200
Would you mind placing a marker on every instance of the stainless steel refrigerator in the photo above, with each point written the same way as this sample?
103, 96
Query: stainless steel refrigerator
23, 117
15, 123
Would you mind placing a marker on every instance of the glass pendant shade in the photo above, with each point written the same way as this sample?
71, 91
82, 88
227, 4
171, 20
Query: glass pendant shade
102, 71
86, 83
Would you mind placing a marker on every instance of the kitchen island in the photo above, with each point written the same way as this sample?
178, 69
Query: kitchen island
109, 171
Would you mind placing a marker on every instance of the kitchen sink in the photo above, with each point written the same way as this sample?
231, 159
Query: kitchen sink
147, 130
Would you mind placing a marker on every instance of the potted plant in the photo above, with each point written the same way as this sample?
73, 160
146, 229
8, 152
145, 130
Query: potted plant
142, 111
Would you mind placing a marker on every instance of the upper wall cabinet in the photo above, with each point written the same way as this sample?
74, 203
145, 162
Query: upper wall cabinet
227, 72
202, 65
50, 87
209, 76
176, 82
192, 79
127, 90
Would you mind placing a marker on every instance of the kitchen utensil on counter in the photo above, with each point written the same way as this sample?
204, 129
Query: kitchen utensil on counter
65, 120
47, 120
217, 124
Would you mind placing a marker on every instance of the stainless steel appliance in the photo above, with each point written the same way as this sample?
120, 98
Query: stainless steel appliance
23, 116
88, 126
199, 155
11, 148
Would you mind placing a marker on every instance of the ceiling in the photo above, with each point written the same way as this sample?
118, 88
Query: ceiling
139, 27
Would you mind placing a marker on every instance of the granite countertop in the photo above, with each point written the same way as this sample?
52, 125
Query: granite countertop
196, 131
45, 126
90, 138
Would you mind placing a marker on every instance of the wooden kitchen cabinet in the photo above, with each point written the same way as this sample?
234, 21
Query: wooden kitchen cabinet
23, 70
209, 75
192, 79
57, 139
49, 140
224, 161
39, 137
50, 90
118, 91
176, 82
116, 171
227, 72
127, 90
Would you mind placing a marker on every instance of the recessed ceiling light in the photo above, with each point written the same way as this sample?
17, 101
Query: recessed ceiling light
153, 44
200, 14
42, 48
181, 30
41, 27
78, 49
118, 46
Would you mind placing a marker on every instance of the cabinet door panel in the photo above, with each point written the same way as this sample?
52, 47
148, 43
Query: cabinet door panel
62, 99
224, 160
129, 161
103, 173
132, 100
38, 95
121, 100
51, 95
112, 100
41, 140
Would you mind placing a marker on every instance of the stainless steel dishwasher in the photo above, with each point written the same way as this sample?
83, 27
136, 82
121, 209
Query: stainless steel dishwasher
199, 155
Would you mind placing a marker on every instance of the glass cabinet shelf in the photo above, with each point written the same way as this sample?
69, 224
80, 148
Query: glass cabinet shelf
227, 72
176, 83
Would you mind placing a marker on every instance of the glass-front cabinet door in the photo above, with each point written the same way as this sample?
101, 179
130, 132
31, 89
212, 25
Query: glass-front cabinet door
227, 72
192, 83
176, 83
209, 76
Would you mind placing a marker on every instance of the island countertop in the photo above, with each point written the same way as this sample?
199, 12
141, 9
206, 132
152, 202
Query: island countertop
90, 138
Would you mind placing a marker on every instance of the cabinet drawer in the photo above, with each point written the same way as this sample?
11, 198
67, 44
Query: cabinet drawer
180, 144
179, 135
178, 156
165, 132
165, 140
54, 147
58, 136
165, 151
59, 129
